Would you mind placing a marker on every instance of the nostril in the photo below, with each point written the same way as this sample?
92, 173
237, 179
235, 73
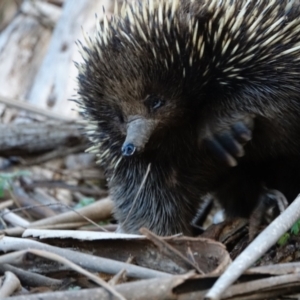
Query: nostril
128, 149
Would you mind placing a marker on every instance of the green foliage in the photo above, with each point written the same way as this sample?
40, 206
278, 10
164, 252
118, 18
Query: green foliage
7, 178
84, 202
294, 231
103, 223
296, 228
284, 239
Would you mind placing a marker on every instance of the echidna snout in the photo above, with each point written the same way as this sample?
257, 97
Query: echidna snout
139, 130
128, 149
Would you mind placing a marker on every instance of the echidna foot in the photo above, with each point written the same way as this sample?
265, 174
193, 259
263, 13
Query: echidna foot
228, 144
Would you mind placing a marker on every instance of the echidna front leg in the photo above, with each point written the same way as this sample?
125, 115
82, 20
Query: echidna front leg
243, 193
226, 138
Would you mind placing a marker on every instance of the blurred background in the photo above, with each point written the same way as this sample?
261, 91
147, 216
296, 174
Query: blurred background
37, 50
44, 169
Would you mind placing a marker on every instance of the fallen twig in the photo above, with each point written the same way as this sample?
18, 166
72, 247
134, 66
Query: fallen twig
30, 278
87, 261
96, 279
34, 109
256, 249
158, 289
10, 284
97, 211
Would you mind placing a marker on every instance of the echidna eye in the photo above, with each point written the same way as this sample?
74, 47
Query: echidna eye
154, 102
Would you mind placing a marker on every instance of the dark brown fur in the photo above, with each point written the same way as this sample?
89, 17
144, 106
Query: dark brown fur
203, 92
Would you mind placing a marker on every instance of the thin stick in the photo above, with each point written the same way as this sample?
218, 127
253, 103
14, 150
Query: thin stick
87, 261
138, 193
88, 220
64, 261
33, 109
256, 249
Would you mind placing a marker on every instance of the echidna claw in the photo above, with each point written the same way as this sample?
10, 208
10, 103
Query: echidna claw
228, 145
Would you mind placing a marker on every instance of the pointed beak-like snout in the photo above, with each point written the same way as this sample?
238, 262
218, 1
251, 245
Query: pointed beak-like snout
128, 149
139, 131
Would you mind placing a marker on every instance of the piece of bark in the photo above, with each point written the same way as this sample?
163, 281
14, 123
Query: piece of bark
32, 138
54, 83
210, 256
171, 252
23, 44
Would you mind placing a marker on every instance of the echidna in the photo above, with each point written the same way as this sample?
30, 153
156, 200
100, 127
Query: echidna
171, 88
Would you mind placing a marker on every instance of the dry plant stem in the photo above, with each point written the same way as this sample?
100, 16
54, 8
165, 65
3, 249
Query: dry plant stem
121, 276
169, 250
31, 279
87, 261
64, 261
108, 228
23, 199
256, 249
260, 285
164, 289
6, 204
118, 278
190, 256
34, 109
60, 152
18, 202
62, 185
158, 289
10, 284
31, 207
44, 198
256, 289
80, 174
73, 225
14, 219
286, 290
278, 269
17, 231
98, 211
